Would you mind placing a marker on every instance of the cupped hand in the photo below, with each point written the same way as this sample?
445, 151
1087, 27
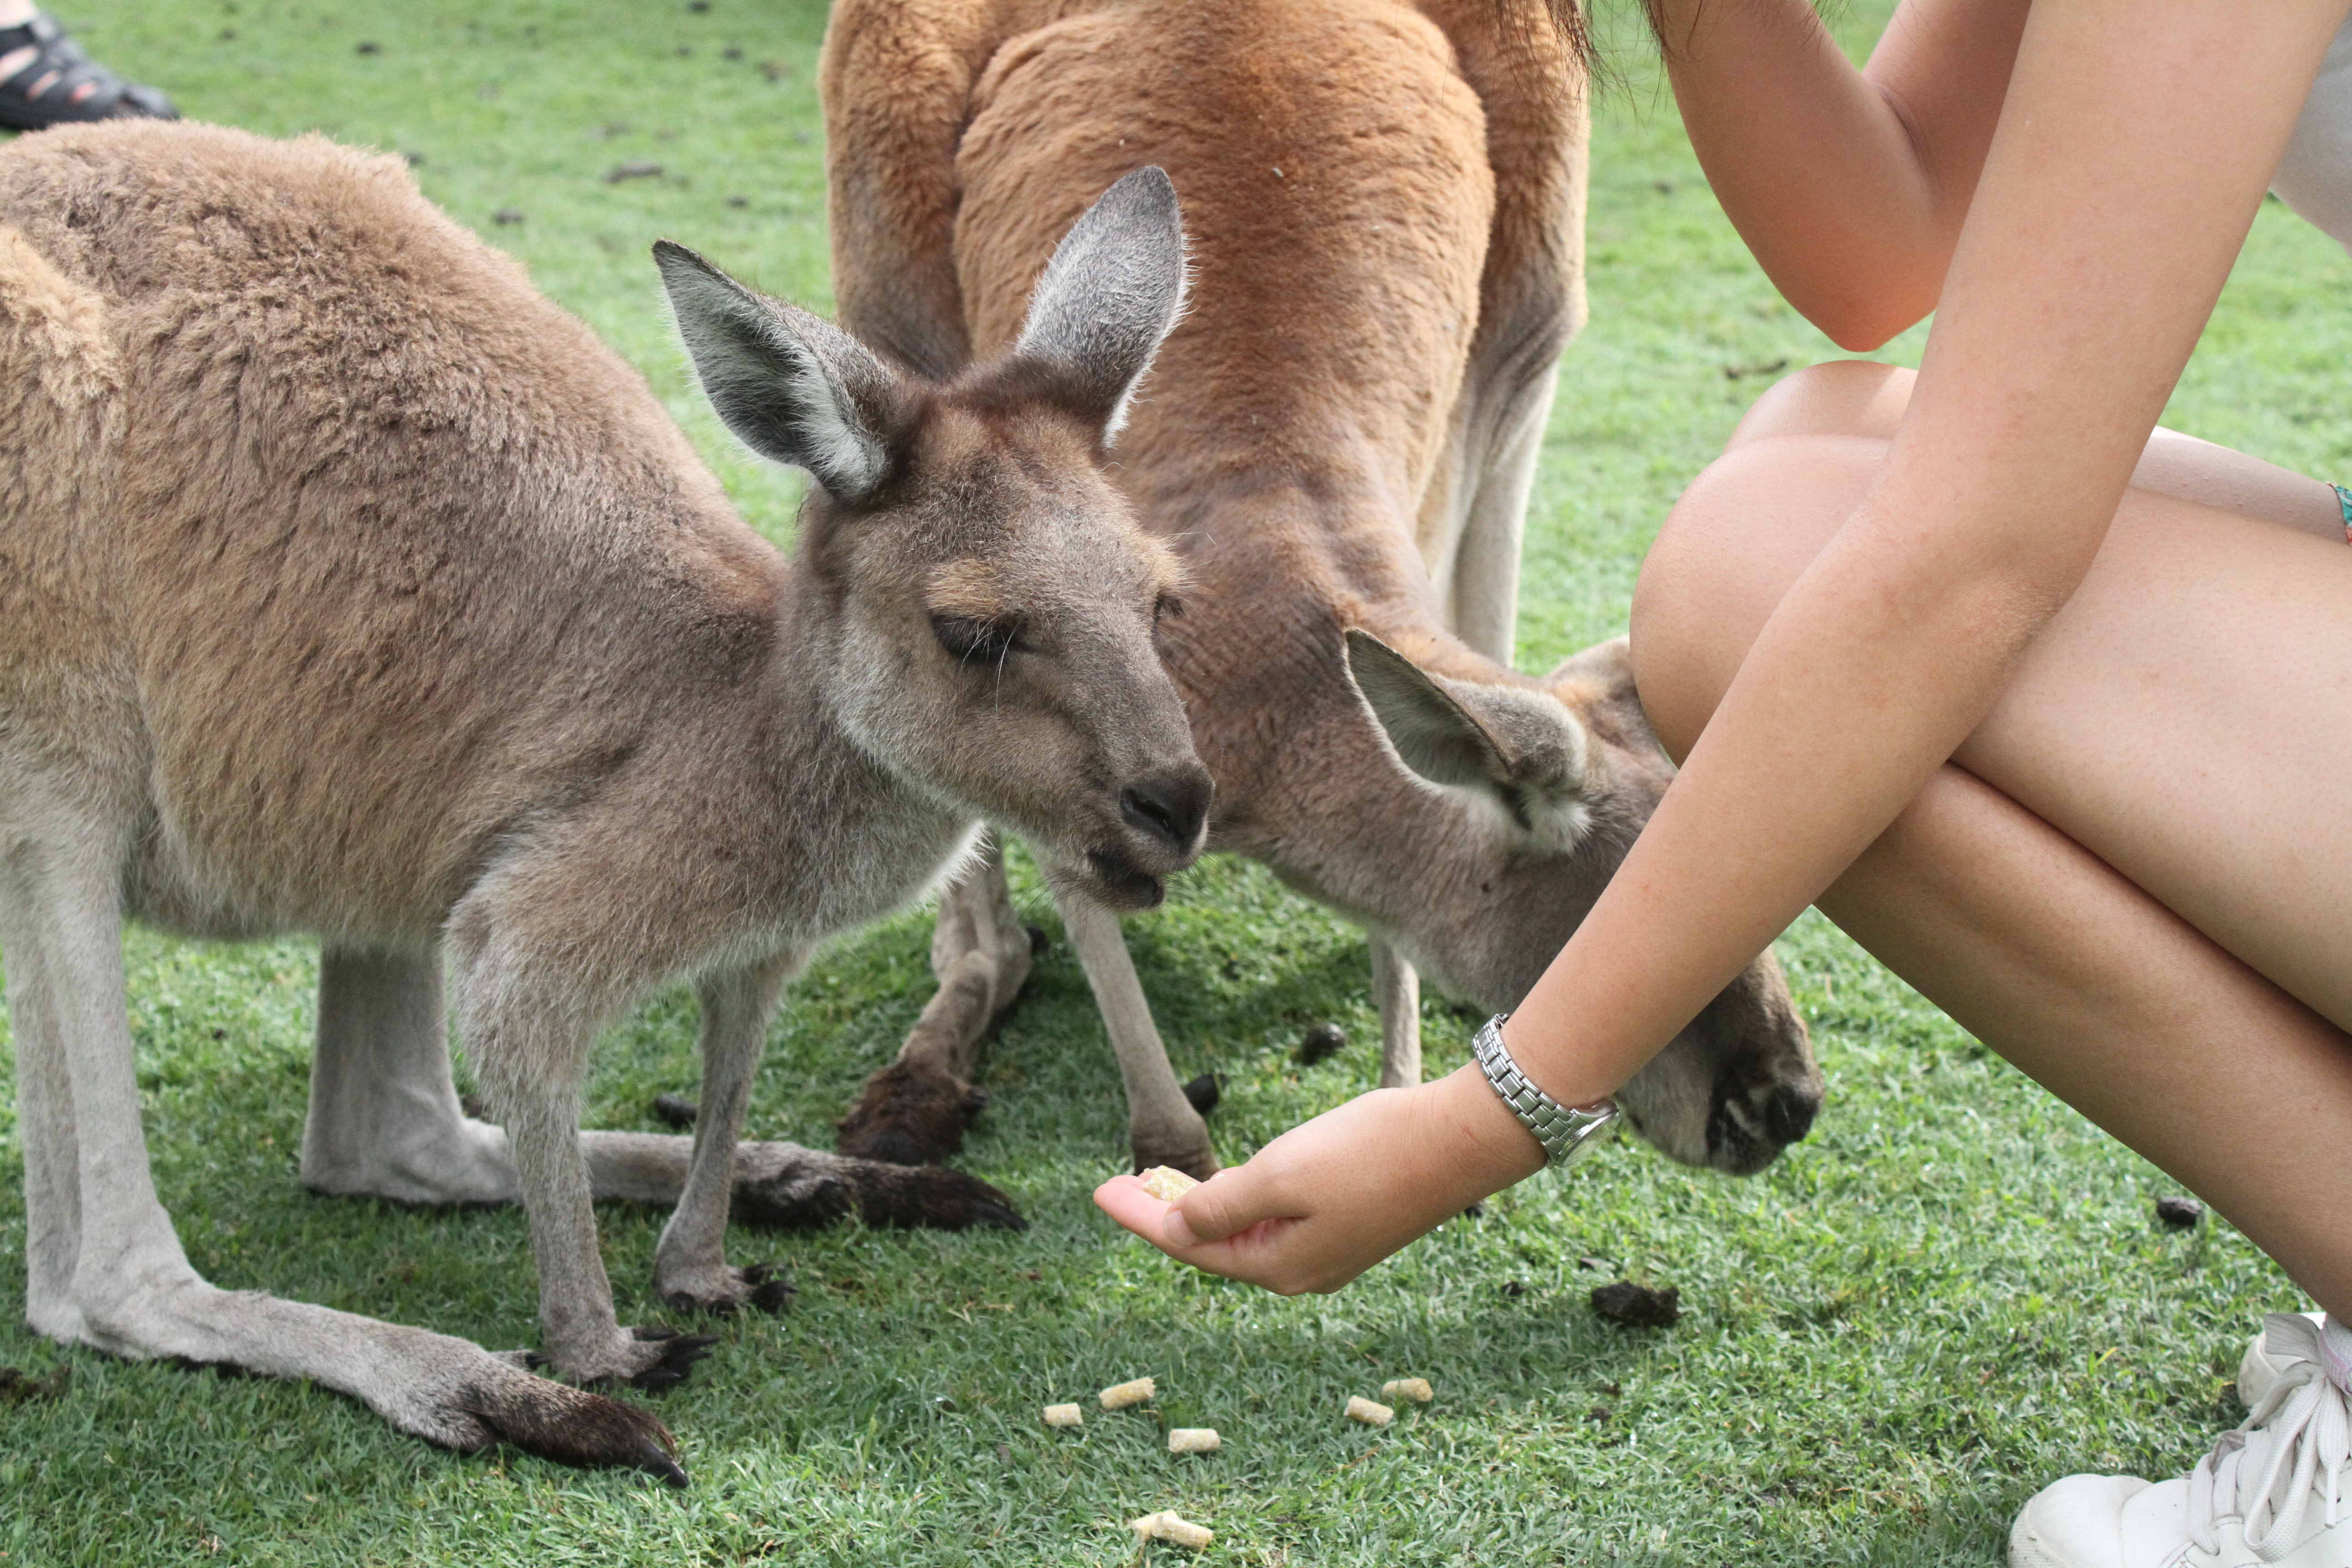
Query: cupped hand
1332, 1196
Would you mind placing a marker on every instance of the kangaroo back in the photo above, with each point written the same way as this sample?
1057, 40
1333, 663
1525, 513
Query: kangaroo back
349, 460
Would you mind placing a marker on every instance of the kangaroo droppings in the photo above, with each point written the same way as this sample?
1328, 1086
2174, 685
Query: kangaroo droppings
1638, 1306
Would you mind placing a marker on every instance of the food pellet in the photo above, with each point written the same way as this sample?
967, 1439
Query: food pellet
1368, 1412
1397, 1390
1167, 1183
1169, 1525
1192, 1440
1064, 1415
1119, 1396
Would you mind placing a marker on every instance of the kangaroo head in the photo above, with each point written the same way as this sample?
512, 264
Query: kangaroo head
1561, 776
989, 605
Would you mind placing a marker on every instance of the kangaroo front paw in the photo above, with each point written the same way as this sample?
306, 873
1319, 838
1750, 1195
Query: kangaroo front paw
726, 1290
652, 1357
931, 1197
910, 1113
673, 1356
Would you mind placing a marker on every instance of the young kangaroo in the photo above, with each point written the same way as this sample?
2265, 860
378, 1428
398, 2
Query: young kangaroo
348, 585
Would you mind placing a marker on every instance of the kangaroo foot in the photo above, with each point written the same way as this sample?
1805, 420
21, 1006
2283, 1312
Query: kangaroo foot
1192, 1156
929, 1195
570, 1425
910, 1113
789, 1187
784, 1187
726, 1290
448, 1391
793, 1188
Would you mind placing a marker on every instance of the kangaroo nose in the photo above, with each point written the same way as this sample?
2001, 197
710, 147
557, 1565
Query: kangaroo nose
1172, 806
1789, 1115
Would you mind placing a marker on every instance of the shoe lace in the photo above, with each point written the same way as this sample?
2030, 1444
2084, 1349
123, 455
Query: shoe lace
2265, 1472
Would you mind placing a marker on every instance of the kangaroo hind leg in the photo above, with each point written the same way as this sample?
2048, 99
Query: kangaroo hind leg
132, 1290
384, 1119
45, 1108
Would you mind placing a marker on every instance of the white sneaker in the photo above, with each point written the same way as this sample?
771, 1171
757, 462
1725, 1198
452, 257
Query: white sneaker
2257, 1372
2248, 1503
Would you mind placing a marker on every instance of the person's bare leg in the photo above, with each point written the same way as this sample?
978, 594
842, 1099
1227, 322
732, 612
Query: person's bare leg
2158, 737
2120, 1008
1863, 398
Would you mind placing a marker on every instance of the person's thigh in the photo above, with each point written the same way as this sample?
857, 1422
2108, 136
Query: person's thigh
1864, 397
2187, 717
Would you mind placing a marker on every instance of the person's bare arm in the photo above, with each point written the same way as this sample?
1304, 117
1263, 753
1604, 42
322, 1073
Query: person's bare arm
1849, 185
2132, 152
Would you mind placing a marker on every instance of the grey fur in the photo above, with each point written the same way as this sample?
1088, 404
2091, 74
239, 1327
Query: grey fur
1113, 290
796, 387
353, 588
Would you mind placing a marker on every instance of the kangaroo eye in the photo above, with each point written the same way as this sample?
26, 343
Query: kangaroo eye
968, 637
1167, 605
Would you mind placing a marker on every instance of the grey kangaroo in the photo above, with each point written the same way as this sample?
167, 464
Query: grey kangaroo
348, 585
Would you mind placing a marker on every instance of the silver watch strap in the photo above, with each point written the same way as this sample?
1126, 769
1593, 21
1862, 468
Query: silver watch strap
1562, 1130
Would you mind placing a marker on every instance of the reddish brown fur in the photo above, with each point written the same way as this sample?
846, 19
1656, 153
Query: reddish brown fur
1385, 206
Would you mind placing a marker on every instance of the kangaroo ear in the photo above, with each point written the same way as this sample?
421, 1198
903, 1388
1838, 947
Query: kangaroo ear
1599, 681
1111, 293
794, 386
1522, 747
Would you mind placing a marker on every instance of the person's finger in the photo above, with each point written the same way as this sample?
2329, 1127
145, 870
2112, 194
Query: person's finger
1129, 1201
1226, 1204
1247, 1253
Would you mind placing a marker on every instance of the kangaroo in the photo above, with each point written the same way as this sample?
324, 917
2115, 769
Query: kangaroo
1386, 205
352, 587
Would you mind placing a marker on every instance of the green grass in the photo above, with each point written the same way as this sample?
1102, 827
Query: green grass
1950, 1293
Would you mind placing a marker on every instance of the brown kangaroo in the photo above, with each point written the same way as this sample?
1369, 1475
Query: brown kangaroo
1386, 207
351, 586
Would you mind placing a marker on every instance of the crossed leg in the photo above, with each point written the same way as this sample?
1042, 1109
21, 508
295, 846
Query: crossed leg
2131, 880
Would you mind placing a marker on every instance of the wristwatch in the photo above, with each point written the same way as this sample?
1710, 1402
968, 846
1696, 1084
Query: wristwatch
1562, 1130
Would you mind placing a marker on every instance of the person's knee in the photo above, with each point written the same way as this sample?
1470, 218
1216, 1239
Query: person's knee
1677, 634
1735, 539
1838, 397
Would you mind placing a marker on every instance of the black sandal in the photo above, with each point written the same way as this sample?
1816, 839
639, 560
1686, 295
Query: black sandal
45, 92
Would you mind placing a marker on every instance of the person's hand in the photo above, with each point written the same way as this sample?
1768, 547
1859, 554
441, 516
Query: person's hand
1332, 1196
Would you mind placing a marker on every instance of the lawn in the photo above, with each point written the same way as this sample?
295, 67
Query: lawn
1951, 1292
